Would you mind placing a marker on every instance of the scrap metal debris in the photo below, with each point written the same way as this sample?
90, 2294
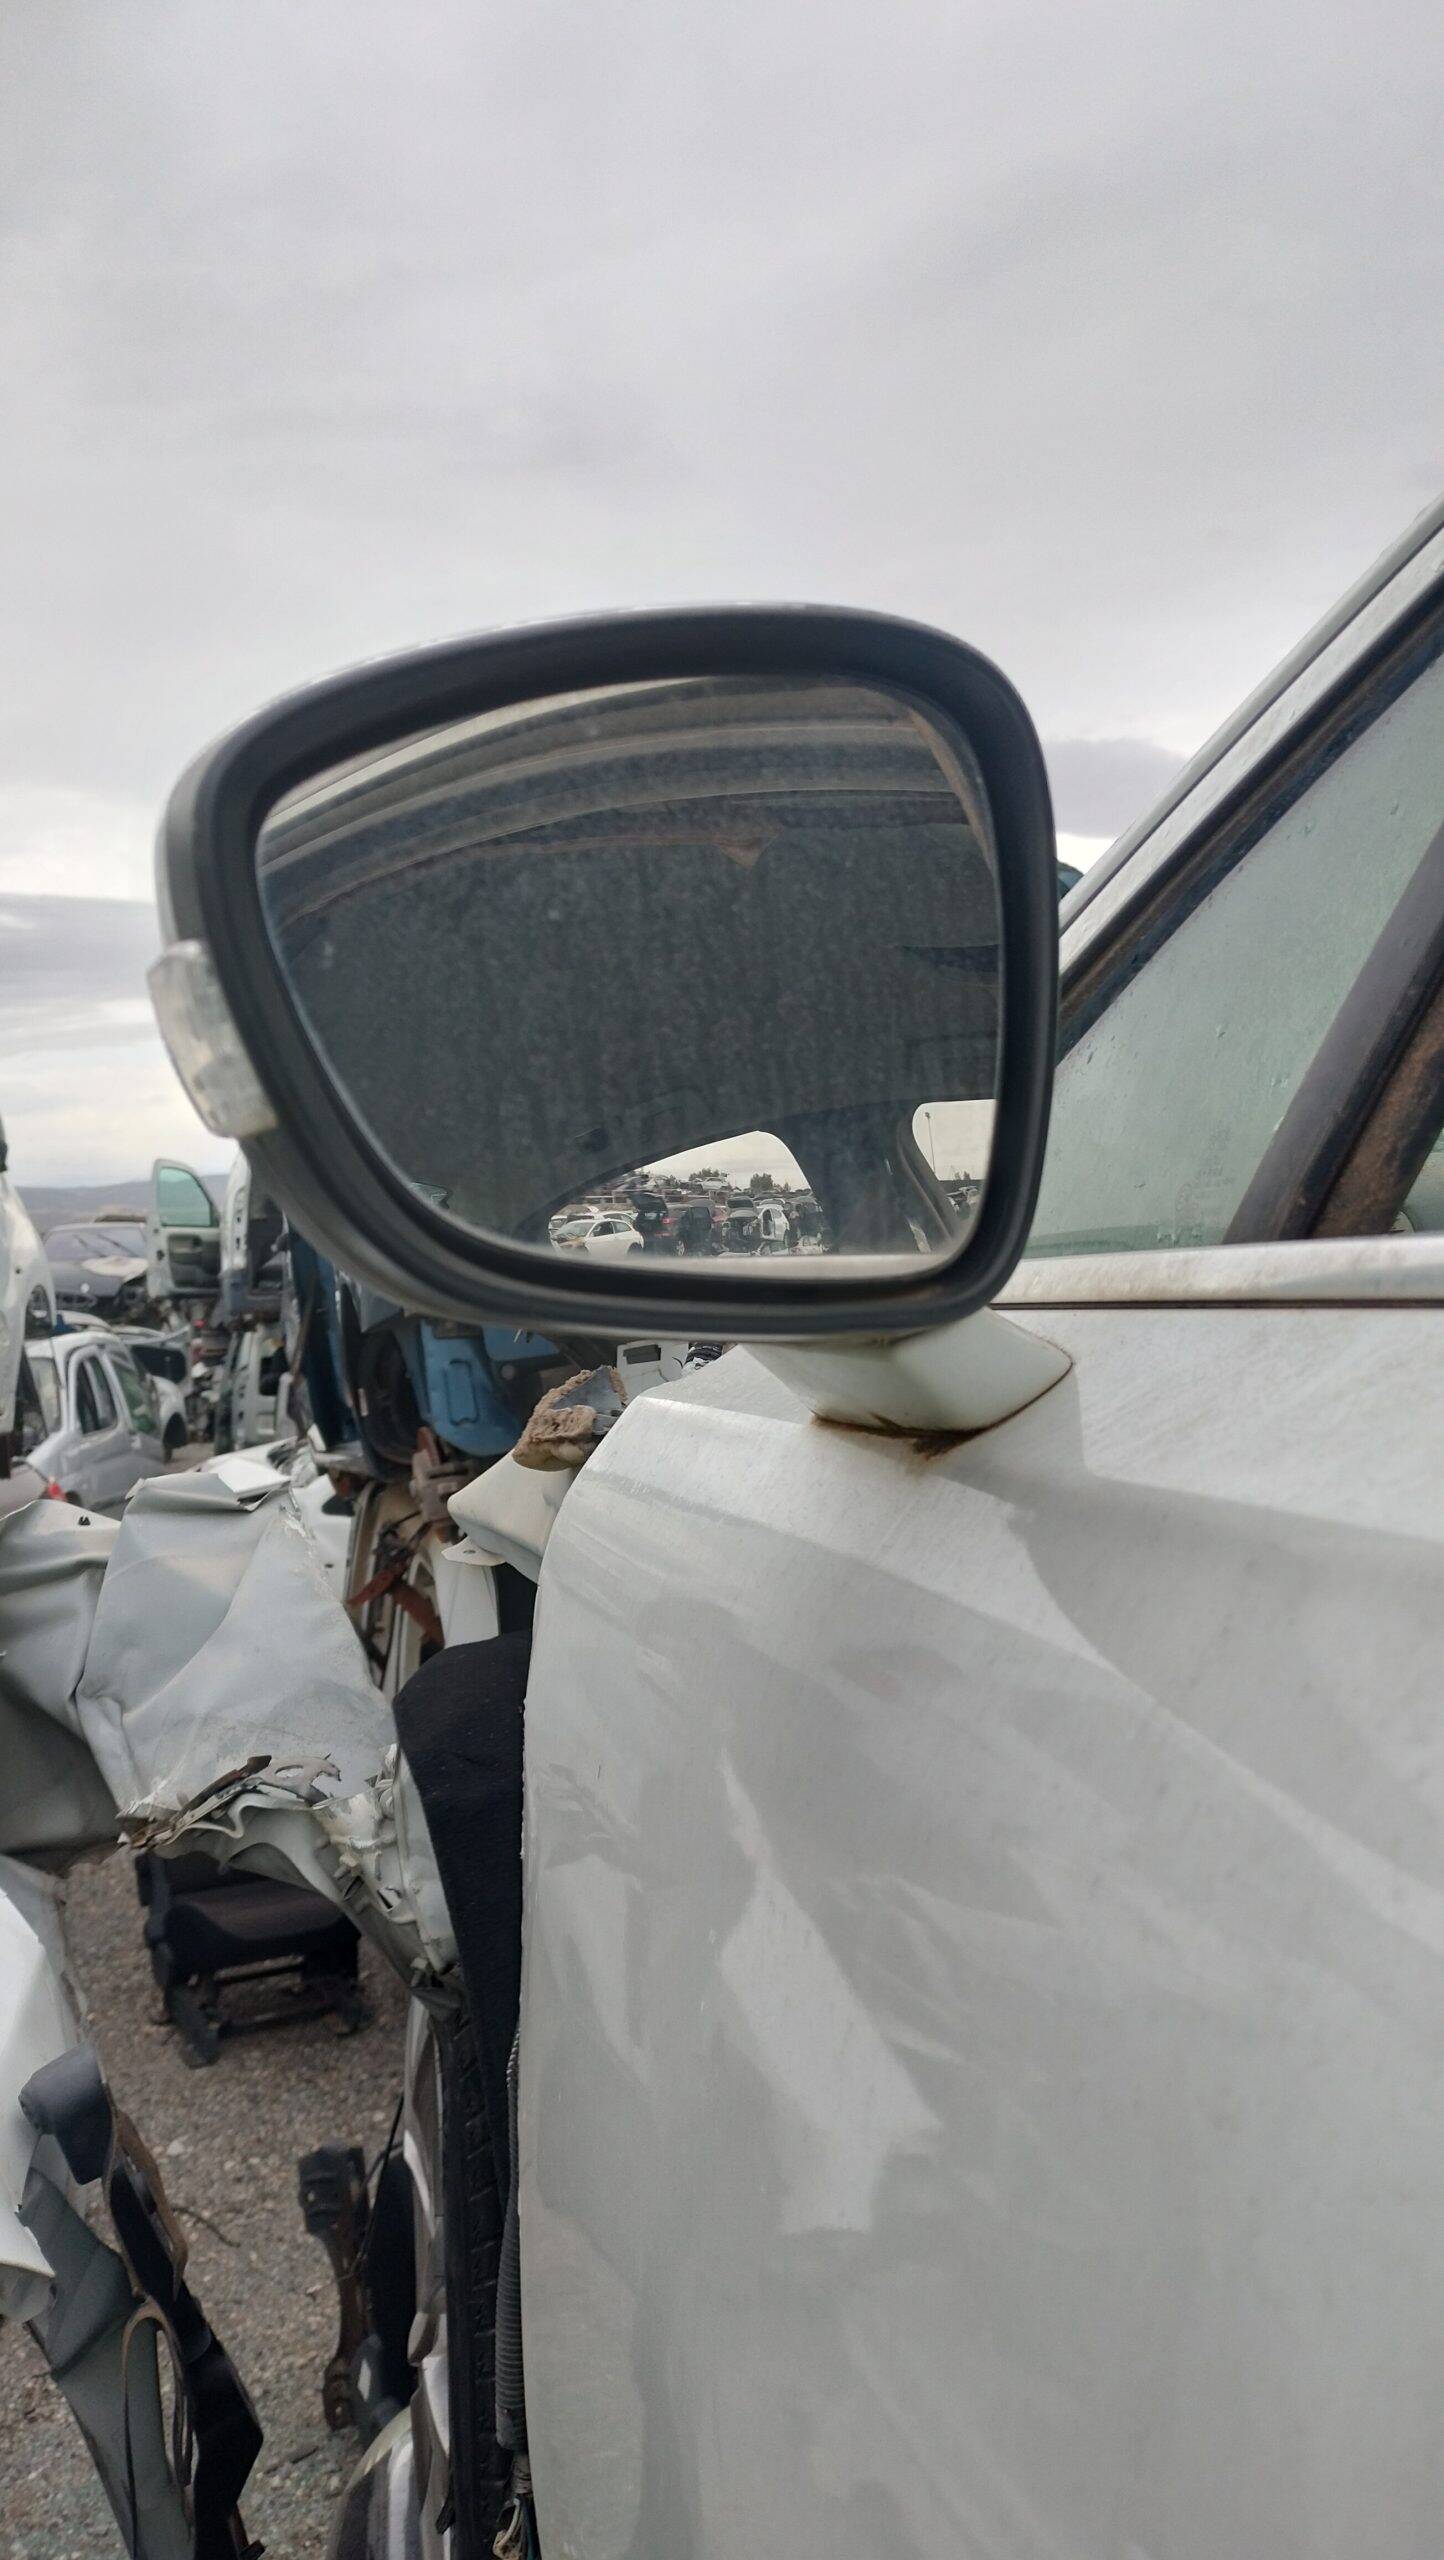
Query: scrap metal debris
570, 1421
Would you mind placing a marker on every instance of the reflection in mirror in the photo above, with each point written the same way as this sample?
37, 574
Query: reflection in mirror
957, 1140
705, 968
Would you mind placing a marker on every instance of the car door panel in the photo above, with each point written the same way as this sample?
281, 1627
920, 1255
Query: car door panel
985, 1949
144, 1453
182, 1234
105, 1465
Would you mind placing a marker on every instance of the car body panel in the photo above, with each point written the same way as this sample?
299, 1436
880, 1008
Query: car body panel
985, 1937
182, 1234
985, 1907
39, 2018
251, 1230
252, 1388
165, 1359
97, 1466
209, 1693
93, 1271
469, 1386
25, 1280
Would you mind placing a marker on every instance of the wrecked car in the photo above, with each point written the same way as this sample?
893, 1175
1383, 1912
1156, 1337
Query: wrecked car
165, 1356
670, 1225
941, 2051
99, 1270
99, 1429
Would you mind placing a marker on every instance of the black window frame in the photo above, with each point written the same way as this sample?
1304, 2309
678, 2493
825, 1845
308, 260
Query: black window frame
90, 1366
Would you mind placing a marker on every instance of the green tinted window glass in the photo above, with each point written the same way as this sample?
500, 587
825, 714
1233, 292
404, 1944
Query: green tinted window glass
1164, 1108
182, 1201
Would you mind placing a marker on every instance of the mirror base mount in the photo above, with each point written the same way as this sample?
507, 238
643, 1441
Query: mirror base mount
957, 1379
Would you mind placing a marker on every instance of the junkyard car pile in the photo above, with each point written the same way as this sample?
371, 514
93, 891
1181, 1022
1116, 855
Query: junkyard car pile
942, 2051
103, 1391
705, 1216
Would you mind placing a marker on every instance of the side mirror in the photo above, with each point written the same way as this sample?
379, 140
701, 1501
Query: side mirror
530, 968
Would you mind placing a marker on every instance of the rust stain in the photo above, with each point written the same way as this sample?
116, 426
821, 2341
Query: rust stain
923, 1444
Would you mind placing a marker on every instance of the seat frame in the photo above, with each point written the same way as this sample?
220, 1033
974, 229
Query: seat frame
311, 1955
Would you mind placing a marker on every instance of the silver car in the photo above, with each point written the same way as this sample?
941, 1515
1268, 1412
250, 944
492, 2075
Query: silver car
165, 1360
94, 1415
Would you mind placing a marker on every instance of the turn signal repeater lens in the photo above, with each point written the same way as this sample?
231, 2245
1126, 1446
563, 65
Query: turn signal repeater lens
204, 1044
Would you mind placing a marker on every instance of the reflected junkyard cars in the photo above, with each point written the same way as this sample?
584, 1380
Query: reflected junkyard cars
609, 1235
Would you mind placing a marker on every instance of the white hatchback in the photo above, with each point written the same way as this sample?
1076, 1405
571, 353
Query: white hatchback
611, 1236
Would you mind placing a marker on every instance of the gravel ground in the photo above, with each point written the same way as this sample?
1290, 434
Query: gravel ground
227, 2140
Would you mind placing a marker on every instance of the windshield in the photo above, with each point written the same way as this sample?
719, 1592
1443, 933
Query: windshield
117, 1239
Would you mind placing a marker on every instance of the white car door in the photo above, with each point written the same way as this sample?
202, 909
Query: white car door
105, 1463
182, 1234
141, 1414
985, 1947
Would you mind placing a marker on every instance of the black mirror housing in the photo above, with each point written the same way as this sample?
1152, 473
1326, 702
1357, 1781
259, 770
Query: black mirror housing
248, 1053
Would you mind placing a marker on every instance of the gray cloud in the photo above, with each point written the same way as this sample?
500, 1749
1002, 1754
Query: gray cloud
73, 971
1100, 785
1103, 336
86, 1090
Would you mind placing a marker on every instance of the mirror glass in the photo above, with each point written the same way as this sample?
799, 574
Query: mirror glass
707, 967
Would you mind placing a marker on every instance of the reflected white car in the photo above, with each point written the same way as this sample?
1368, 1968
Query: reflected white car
609, 1236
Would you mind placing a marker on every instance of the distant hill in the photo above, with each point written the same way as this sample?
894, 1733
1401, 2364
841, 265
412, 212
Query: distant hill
60, 1205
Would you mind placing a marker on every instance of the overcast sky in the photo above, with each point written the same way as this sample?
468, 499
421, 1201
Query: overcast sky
1106, 334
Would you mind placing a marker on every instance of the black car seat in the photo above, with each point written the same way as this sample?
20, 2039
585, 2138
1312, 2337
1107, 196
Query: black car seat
209, 1928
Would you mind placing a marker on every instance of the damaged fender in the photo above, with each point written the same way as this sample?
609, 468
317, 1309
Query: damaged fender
226, 1700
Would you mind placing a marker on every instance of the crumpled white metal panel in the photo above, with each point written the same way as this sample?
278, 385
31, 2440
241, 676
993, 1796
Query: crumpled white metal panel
226, 1700
983, 2075
188, 1676
39, 2018
52, 1562
217, 1639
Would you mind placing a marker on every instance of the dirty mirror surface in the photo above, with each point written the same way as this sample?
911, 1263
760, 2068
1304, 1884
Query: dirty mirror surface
702, 967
